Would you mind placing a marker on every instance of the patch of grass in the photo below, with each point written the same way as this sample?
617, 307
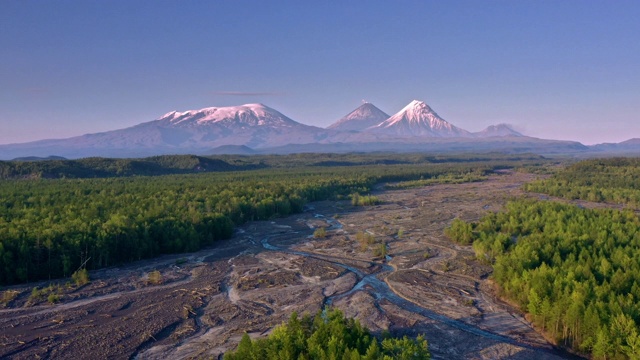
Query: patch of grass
155, 278
380, 250
446, 266
365, 239
364, 200
320, 233
8, 296
441, 179
36, 294
51, 293
53, 298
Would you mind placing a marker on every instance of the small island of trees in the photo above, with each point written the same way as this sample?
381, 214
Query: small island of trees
328, 335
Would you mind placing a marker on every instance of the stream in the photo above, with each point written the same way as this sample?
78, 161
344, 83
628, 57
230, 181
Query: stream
374, 284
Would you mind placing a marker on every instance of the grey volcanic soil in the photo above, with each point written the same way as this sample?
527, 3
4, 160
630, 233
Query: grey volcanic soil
205, 301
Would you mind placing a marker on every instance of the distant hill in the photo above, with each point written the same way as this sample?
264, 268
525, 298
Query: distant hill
105, 167
505, 144
497, 130
36, 158
232, 150
628, 147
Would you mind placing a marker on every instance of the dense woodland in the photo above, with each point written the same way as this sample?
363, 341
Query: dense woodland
328, 336
575, 271
50, 227
96, 167
614, 180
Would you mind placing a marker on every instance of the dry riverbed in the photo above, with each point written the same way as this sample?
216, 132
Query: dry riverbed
203, 302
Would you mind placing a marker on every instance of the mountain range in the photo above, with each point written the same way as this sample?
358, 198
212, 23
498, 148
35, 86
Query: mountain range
256, 128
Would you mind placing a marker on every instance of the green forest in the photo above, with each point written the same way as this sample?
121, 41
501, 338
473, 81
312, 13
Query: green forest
615, 180
575, 271
328, 336
96, 167
50, 227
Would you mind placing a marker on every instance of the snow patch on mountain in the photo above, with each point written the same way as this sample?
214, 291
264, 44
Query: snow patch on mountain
244, 115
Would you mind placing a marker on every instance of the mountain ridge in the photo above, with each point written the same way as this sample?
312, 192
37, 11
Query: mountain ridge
256, 127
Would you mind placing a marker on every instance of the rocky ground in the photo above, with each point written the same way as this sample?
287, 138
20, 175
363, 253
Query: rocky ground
201, 303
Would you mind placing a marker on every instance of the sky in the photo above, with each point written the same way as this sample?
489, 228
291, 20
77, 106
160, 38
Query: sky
554, 69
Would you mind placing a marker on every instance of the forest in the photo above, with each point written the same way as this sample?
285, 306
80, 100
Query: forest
575, 271
96, 167
328, 335
51, 227
615, 180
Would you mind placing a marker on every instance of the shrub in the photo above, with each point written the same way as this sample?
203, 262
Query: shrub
365, 239
446, 266
364, 200
460, 231
155, 277
53, 298
80, 277
320, 233
381, 250
36, 294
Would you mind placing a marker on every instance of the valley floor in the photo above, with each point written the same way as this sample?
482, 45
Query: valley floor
205, 301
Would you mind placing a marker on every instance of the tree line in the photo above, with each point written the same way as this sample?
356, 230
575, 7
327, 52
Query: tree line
575, 271
614, 180
97, 167
50, 227
328, 335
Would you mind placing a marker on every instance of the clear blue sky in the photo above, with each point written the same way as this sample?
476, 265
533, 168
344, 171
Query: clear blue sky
555, 69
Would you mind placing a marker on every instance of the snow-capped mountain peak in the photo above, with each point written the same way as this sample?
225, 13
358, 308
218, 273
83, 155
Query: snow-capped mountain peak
417, 111
364, 116
170, 114
417, 104
248, 114
418, 119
